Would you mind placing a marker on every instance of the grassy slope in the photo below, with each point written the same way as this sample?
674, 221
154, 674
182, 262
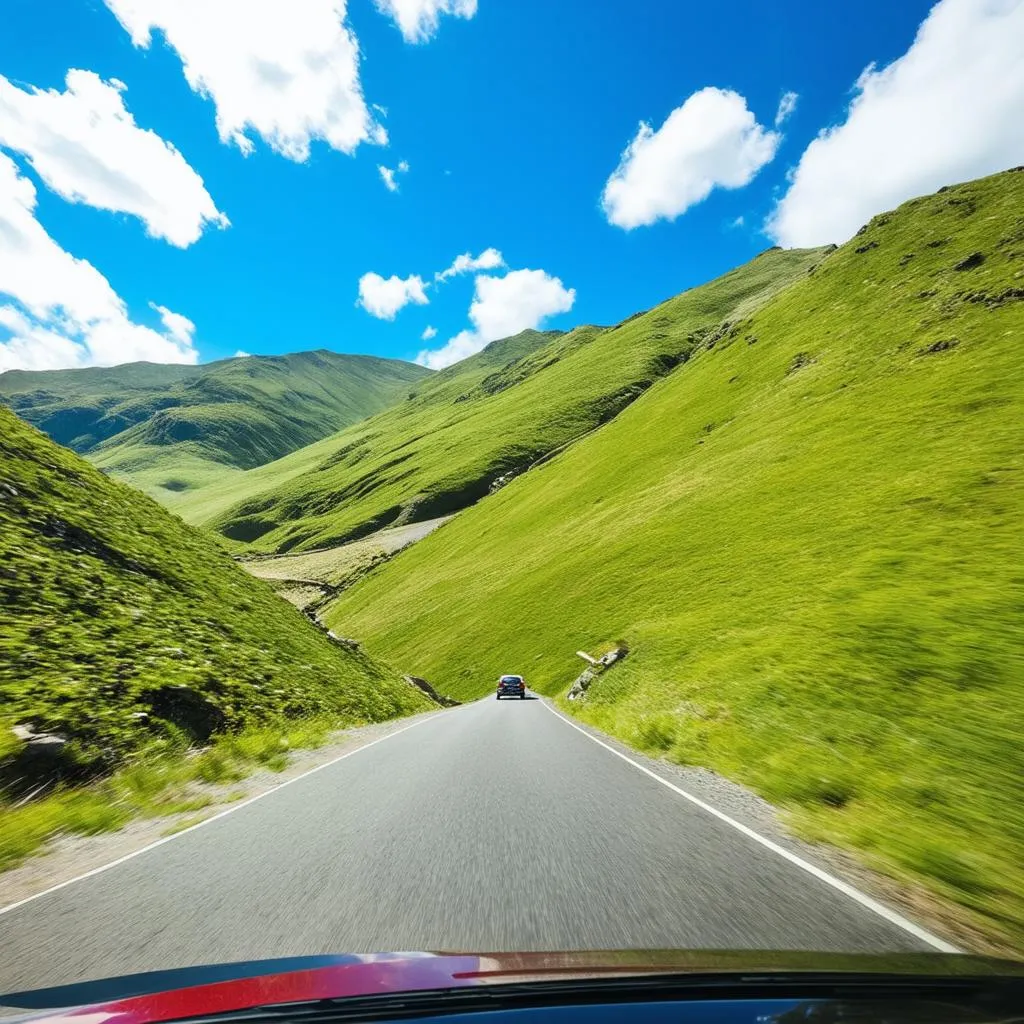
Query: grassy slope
214, 502
172, 429
239, 488
80, 408
810, 536
442, 450
104, 596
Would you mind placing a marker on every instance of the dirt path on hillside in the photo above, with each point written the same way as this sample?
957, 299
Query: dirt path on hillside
310, 577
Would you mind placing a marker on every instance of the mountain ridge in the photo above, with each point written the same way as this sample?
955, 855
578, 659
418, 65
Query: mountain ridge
170, 428
478, 423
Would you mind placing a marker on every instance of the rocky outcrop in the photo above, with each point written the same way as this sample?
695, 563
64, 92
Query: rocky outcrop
438, 698
582, 682
39, 760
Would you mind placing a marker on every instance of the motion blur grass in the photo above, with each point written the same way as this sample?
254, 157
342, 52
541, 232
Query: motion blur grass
810, 536
169, 778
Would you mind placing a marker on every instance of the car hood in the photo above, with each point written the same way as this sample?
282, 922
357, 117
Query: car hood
213, 989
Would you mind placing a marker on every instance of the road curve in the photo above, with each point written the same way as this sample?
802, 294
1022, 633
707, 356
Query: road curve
493, 826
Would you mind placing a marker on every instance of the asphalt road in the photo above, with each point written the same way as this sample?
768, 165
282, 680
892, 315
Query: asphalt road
493, 826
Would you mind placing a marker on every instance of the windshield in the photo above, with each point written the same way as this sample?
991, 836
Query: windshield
508, 478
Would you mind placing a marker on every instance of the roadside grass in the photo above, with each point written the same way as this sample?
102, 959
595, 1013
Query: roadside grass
810, 537
169, 778
183, 825
483, 420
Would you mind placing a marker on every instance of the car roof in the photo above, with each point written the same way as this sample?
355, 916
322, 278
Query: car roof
509, 679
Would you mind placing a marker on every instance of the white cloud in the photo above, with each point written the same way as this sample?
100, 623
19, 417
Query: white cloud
87, 147
503, 306
506, 305
178, 327
428, 333
388, 174
418, 19
949, 109
489, 259
786, 107
463, 345
711, 140
288, 72
738, 222
58, 311
384, 297
242, 354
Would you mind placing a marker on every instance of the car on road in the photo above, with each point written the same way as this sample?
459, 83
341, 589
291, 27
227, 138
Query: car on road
512, 686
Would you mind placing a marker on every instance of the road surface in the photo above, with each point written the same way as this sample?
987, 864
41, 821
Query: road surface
493, 826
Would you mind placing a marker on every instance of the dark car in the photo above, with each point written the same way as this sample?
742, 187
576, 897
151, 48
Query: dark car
512, 686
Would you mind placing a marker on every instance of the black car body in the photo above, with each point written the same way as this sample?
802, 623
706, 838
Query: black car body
512, 686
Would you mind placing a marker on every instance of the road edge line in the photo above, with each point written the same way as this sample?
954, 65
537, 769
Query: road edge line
216, 817
845, 888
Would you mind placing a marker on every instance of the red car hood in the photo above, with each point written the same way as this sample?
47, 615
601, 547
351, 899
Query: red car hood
189, 992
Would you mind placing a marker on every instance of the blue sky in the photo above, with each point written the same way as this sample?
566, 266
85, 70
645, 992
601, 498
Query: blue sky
511, 117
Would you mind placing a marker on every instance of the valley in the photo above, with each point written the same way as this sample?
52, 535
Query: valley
173, 430
793, 495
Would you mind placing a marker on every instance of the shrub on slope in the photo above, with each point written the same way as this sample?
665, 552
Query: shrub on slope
811, 536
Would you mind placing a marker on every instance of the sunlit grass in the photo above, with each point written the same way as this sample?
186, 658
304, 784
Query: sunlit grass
811, 537
175, 431
109, 604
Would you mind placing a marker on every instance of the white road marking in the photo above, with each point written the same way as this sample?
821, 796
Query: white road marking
847, 890
216, 817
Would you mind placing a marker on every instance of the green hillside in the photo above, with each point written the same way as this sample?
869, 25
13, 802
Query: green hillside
173, 429
120, 625
200, 507
81, 408
482, 421
810, 536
